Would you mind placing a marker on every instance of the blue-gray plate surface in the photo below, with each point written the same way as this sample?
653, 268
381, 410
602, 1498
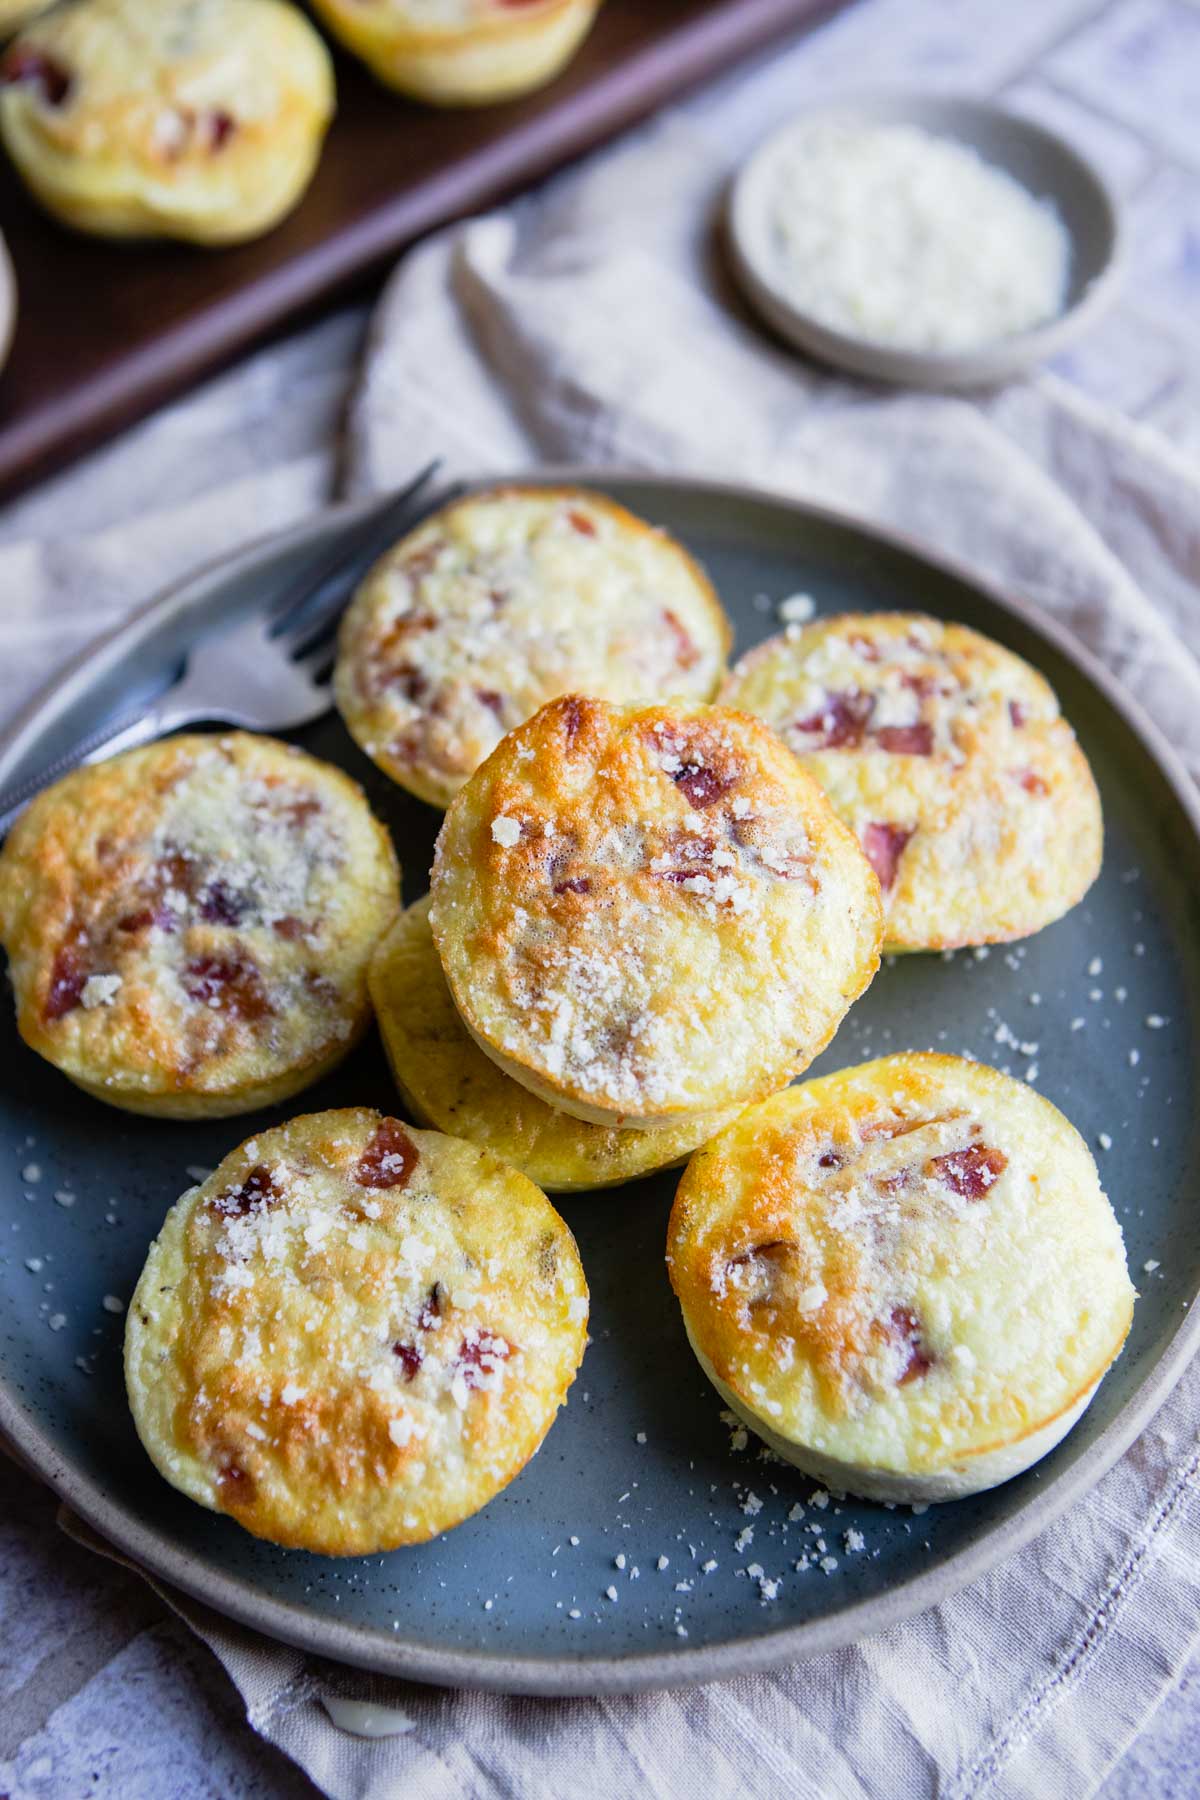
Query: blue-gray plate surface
639, 1488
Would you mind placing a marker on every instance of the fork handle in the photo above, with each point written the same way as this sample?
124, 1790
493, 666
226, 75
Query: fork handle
120, 734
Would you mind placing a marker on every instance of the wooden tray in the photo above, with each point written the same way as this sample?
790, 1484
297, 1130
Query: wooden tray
107, 332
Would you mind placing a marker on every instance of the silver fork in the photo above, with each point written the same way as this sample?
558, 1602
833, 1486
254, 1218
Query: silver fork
268, 671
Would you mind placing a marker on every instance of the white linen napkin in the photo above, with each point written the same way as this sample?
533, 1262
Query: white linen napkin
593, 323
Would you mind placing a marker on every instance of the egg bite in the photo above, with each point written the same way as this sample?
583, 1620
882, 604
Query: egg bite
353, 1335
461, 52
648, 912
188, 925
905, 1277
949, 759
193, 119
503, 601
446, 1081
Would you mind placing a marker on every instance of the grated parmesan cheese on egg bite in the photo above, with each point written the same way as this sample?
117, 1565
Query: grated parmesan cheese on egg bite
188, 925
949, 759
679, 925
446, 1081
503, 600
904, 1277
353, 1334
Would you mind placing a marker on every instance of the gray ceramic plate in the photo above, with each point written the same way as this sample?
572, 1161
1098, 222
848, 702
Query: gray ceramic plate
1039, 159
639, 1466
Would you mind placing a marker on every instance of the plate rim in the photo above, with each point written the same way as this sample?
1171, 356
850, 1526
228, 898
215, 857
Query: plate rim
154, 1552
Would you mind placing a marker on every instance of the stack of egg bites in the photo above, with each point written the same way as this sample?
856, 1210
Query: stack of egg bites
657, 890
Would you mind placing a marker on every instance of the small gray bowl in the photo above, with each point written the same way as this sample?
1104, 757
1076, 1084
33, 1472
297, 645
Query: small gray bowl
1041, 161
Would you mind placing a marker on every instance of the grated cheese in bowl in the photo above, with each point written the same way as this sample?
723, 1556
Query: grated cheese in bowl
894, 235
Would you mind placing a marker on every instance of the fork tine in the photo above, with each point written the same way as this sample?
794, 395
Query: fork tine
295, 613
306, 620
316, 662
313, 634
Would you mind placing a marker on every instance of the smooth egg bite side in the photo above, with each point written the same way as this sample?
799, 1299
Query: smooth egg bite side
905, 1277
188, 925
353, 1335
193, 119
446, 1081
647, 912
501, 601
948, 757
461, 52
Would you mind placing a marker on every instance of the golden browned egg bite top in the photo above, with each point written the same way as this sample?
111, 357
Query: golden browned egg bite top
645, 912
188, 926
904, 1276
353, 1334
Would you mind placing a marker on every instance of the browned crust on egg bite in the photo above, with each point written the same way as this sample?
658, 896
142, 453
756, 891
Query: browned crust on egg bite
354, 1334
188, 925
902, 1268
644, 912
